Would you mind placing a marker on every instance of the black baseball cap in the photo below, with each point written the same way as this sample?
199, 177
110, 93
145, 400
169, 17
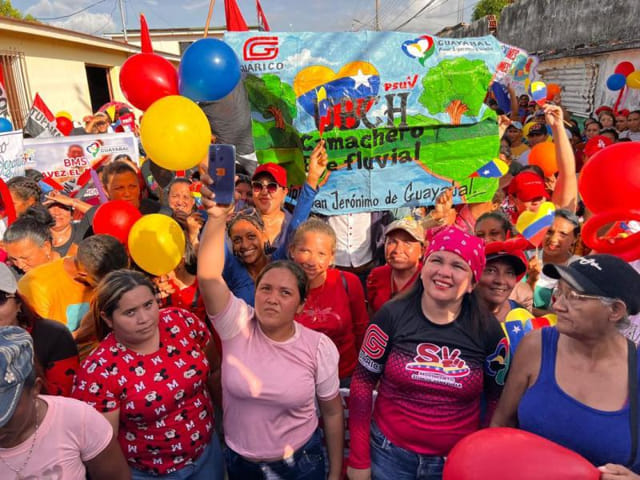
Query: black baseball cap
601, 275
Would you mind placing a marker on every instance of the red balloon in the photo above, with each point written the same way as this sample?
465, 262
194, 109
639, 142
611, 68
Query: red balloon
116, 218
625, 68
625, 247
510, 454
611, 178
64, 125
147, 77
544, 156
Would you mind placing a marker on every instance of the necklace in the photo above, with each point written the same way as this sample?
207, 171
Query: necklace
33, 443
61, 235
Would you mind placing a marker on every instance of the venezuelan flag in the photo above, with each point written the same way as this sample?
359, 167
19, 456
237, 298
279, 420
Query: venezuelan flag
496, 168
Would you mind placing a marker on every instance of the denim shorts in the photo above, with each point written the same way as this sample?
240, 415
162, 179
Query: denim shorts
306, 463
389, 461
208, 466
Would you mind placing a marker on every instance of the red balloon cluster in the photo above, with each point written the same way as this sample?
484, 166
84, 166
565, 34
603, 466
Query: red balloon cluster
610, 187
510, 454
116, 218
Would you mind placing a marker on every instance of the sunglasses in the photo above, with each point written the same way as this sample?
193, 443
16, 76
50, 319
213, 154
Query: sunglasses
4, 296
272, 187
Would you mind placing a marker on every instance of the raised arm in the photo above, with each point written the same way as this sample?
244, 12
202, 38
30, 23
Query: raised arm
565, 194
317, 166
213, 288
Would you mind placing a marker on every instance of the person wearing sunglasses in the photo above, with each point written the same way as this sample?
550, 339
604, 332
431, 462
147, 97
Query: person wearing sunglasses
55, 349
269, 189
249, 230
577, 383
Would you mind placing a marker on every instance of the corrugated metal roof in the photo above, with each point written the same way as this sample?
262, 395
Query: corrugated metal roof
579, 83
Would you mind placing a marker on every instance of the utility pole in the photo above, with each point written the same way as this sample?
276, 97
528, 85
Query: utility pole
460, 11
124, 23
377, 17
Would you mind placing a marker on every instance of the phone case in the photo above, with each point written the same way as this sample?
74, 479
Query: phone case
222, 169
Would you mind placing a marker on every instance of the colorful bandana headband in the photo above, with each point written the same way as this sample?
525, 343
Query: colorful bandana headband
470, 248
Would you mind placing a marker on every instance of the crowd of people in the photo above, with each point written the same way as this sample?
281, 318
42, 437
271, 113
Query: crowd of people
239, 363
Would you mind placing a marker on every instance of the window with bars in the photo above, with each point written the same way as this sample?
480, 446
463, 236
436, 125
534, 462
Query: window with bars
16, 85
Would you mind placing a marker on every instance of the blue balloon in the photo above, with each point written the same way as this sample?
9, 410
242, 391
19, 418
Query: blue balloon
209, 70
616, 81
5, 125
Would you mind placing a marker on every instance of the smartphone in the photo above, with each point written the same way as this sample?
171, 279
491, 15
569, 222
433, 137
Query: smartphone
222, 169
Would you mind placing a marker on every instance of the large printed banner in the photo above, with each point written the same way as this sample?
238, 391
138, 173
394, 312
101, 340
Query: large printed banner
402, 114
11, 156
65, 159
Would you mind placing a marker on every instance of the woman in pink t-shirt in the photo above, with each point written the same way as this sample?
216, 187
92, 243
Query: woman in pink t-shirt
273, 369
43, 436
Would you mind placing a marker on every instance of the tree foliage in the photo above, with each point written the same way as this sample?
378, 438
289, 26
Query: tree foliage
269, 95
8, 10
456, 86
488, 7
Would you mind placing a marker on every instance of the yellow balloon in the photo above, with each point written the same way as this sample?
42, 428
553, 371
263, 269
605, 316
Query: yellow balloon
156, 243
175, 133
65, 114
633, 80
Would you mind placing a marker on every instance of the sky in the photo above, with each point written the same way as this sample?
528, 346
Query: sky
103, 16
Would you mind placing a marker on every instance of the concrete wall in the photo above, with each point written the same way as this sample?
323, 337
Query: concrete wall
546, 25
552, 25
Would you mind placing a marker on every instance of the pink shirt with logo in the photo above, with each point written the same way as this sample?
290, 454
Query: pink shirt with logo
269, 388
71, 433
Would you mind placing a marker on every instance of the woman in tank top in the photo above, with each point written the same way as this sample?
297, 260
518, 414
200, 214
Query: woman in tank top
576, 383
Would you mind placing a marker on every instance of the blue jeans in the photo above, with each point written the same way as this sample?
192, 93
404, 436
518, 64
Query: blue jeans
307, 463
389, 461
208, 466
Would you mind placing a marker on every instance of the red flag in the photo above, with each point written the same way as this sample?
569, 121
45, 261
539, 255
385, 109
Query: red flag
234, 18
262, 19
41, 122
145, 39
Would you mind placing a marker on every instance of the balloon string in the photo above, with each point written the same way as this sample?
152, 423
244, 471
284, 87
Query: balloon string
617, 104
209, 15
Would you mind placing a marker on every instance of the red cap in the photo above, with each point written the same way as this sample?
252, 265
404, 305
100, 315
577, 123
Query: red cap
278, 173
595, 144
624, 112
528, 186
603, 108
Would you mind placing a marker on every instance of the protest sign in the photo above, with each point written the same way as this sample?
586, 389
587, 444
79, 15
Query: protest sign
67, 160
11, 158
402, 114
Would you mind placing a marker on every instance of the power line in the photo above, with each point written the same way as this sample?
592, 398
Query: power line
74, 13
430, 3
384, 13
109, 19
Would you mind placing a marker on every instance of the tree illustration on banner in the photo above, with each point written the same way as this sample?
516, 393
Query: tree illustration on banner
456, 87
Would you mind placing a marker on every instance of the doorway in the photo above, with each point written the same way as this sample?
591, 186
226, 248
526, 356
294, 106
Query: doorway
99, 86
